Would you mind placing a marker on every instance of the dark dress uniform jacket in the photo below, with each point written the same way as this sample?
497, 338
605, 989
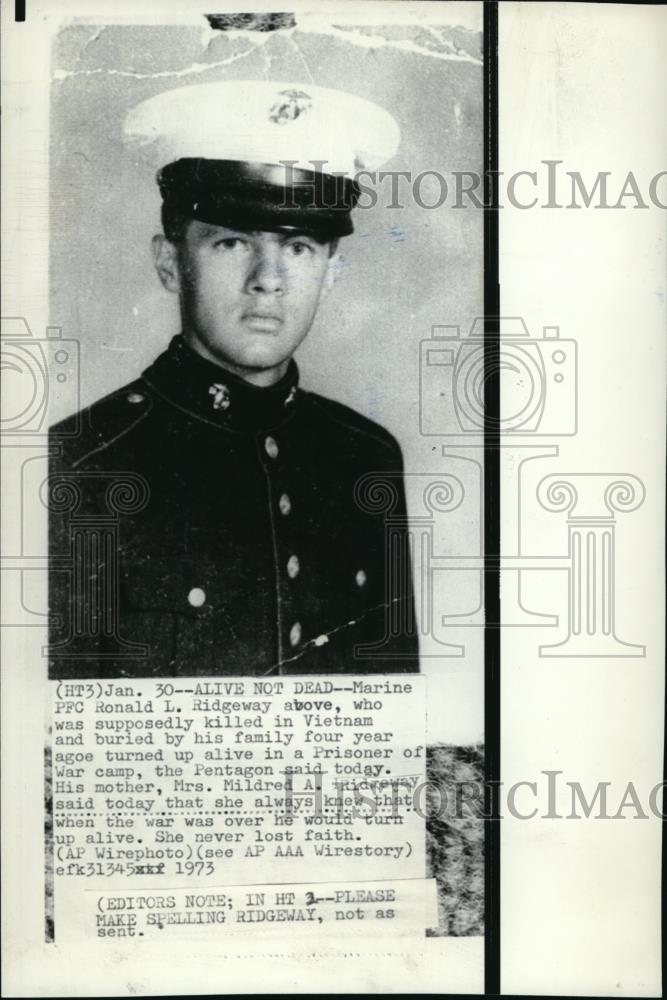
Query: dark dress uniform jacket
202, 526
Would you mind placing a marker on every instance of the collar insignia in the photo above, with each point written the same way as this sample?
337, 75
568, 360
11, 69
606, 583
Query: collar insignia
220, 393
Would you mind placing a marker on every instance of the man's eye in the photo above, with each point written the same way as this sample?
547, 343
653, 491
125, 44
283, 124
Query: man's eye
229, 242
298, 249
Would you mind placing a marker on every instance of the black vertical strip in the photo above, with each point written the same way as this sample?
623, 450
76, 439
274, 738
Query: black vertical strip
491, 505
663, 813
49, 850
19, 10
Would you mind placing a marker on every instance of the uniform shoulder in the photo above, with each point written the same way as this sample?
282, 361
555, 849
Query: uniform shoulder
104, 422
344, 416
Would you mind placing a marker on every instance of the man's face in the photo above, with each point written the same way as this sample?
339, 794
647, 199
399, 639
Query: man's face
248, 299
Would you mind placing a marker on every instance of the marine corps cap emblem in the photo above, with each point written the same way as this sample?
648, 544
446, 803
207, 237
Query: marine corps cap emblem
290, 105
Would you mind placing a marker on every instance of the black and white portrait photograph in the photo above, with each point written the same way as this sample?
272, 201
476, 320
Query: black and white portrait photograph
252, 240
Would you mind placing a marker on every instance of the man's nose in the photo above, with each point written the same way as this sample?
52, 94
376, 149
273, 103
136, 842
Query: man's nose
267, 273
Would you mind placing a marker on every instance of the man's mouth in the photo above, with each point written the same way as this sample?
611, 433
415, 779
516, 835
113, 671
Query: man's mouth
264, 322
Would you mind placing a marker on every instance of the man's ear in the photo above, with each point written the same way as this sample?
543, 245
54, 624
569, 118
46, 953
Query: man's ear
165, 258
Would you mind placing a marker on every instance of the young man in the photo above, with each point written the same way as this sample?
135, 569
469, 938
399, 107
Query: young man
212, 517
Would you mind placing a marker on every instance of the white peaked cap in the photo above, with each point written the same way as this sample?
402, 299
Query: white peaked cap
264, 122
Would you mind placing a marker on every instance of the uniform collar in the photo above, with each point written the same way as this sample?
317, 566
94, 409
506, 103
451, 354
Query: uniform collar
214, 394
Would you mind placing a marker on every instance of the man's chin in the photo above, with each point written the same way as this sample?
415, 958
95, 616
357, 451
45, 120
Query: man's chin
255, 353
260, 361
261, 366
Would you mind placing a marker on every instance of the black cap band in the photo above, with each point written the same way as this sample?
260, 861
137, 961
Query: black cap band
249, 195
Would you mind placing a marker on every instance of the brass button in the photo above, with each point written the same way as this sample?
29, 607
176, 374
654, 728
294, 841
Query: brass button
295, 634
293, 567
196, 597
285, 505
135, 397
360, 578
271, 446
